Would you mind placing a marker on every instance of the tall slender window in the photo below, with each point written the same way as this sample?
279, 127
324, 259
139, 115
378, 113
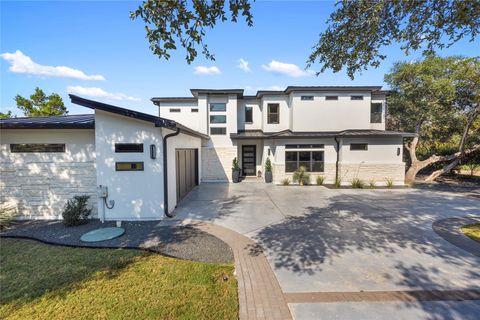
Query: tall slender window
376, 113
248, 114
273, 113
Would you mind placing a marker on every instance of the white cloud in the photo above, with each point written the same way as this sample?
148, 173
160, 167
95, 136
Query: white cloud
100, 93
288, 69
20, 63
243, 64
206, 70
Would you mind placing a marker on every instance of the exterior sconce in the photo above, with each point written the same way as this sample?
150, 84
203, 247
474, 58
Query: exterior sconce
398, 151
153, 151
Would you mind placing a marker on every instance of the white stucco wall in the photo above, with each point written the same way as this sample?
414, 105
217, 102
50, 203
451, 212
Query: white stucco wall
40, 184
256, 111
180, 141
192, 120
285, 114
137, 194
380, 150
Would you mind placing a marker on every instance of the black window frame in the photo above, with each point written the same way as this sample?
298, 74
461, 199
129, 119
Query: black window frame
175, 110
376, 116
133, 166
222, 116
271, 114
194, 110
297, 161
213, 105
248, 114
223, 129
356, 98
305, 146
359, 146
124, 148
306, 98
331, 98
37, 147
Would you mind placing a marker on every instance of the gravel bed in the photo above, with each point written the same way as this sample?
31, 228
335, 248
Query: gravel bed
178, 241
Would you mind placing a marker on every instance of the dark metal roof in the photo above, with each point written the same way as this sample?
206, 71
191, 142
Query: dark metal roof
158, 100
259, 134
237, 92
78, 121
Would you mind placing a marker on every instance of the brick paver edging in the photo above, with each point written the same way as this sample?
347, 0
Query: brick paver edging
449, 229
259, 293
369, 296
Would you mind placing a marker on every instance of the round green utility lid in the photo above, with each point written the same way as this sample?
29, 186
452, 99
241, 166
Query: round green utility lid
102, 234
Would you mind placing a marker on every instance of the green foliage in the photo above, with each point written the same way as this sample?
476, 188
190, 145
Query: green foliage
173, 23
472, 163
235, 166
286, 182
357, 183
358, 30
338, 183
268, 165
371, 184
76, 212
301, 176
389, 182
6, 115
320, 180
41, 105
8, 212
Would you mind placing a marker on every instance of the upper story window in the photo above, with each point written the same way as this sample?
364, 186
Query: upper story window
218, 131
273, 116
194, 110
218, 119
376, 112
248, 114
359, 146
306, 98
356, 97
37, 147
331, 97
128, 147
218, 107
174, 110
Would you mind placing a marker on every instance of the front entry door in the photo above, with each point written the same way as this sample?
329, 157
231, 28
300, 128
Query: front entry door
249, 156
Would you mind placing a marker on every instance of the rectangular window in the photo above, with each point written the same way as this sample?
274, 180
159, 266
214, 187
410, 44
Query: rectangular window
175, 110
248, 114
128, 166
273, 113
195, 110
128, 147
376, 112
312, 160
37, 147
306, 98
218, 119
356, 98
218, 131
304, 146
218, 107
331, 97
359, 146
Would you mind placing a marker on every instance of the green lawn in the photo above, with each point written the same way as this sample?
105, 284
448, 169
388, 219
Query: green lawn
40, 281
472, 231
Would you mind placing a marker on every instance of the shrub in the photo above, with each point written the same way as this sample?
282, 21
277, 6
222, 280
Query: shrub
235, 166
357, 183
8, 211
76, 212
268, 165
338, 183
389, 182
286, 182
371, 184
320, 180
301, 176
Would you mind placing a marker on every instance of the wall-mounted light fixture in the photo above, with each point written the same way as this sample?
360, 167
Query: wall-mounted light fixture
153, 151
398, 151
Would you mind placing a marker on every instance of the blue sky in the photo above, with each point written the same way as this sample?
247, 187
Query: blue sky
108, 57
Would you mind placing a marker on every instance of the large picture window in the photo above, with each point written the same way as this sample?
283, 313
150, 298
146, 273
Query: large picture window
376, 113
218, 107
312, 160
37, 147
273, 113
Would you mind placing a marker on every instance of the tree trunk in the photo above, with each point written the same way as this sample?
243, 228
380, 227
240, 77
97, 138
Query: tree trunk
410, 175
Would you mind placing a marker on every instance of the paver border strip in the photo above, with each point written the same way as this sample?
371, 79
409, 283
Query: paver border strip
449, 230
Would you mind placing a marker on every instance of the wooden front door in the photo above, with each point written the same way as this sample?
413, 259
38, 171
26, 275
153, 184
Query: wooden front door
249, 156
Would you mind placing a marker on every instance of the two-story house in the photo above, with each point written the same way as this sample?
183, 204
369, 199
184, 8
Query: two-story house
336, 132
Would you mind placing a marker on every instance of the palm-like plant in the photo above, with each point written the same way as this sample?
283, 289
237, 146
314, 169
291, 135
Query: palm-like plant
301, 176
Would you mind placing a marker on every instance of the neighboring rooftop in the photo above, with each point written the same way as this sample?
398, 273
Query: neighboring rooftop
77, 121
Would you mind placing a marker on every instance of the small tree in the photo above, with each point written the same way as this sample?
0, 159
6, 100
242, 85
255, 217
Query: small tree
235, 166
301, 176
41, 105
268, 165
76, 211
6, 115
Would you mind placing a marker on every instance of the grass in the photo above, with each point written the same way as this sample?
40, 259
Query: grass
472, 231
40, 281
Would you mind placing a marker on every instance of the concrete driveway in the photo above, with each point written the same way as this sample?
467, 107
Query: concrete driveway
324, 240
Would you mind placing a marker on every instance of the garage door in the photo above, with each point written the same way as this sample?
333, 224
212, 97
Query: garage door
187, 171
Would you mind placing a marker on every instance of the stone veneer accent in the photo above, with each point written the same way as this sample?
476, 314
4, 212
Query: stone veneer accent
40, 190
377, 172
217, 163
279, 174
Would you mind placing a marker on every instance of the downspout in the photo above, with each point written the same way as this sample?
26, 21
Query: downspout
165, 172
338, 158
